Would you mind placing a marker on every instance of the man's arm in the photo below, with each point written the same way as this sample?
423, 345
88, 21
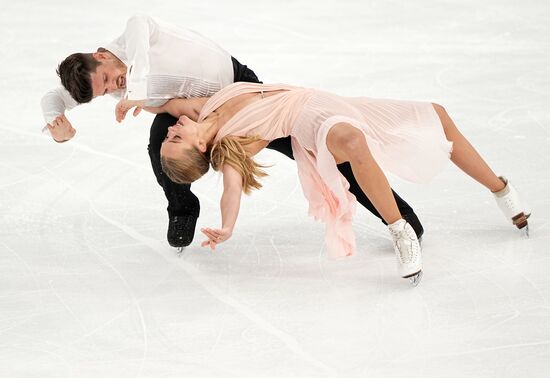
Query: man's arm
230, 204
54, 104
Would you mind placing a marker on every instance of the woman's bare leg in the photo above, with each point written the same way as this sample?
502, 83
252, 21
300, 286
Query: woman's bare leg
467, 159
464, 155
346, 143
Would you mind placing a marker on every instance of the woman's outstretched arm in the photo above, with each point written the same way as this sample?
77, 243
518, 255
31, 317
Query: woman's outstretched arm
177, 107
230, 204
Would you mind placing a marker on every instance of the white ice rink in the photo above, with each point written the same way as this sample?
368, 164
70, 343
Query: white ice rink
90, 288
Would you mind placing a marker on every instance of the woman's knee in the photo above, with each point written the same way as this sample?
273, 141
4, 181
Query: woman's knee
352, 140
350, 144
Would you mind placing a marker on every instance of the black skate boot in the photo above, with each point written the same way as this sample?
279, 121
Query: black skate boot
183, 212
181, 229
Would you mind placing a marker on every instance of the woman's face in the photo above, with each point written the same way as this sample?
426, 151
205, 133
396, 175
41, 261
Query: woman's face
180, 137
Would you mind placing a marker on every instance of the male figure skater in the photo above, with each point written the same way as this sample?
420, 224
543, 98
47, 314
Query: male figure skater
159, 61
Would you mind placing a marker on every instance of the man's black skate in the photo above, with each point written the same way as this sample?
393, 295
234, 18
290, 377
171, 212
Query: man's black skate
181, 229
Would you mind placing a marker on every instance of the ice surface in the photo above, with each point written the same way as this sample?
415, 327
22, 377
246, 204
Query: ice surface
90, 288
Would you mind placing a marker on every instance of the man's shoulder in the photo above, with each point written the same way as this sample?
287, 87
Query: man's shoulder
143, 18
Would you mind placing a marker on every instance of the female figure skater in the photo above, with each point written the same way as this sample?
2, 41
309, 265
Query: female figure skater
412, 140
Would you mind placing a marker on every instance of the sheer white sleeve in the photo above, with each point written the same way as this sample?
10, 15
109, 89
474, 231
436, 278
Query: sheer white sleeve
139, 30
54, 103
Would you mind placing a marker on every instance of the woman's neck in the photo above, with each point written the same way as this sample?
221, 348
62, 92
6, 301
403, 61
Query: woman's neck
210, 128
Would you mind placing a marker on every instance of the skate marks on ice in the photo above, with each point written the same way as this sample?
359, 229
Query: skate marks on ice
205, 282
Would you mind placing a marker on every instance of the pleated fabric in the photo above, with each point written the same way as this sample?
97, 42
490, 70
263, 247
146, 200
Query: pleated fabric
405, 137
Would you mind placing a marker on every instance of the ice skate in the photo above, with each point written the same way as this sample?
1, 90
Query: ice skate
407, 250
509, 203
181, 229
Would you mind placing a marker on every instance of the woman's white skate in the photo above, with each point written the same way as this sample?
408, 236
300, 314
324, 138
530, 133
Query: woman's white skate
407, 250
509, 203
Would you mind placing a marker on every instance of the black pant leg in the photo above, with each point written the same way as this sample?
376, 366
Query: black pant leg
181, 201
242, 73
404, 208
283, 145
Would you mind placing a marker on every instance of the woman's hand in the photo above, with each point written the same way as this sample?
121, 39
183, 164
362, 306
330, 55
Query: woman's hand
124, 105
215, 236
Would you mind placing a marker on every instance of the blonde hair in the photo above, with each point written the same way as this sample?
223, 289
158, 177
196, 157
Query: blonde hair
229, 150
187, 169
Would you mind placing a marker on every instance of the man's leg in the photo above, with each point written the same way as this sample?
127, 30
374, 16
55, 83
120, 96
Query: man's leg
406, 211
284, 146
183, 205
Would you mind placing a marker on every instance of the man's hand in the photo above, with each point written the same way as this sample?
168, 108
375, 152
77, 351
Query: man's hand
61, 129
215, 236
124, 105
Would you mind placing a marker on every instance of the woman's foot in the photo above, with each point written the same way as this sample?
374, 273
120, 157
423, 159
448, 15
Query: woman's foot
509, 203
407, 250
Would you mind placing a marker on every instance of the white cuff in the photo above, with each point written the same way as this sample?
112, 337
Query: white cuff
136, 90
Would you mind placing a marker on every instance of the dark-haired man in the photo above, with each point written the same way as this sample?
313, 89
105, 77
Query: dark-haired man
158, 61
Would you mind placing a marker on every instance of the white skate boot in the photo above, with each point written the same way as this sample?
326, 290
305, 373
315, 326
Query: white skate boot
510, 205
408, 251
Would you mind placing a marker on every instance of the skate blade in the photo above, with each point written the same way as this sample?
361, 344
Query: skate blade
520, 221
526, 228
525, 231
415, 278
179, 251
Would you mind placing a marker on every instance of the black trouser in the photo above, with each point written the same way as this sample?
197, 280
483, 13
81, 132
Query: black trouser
182, 201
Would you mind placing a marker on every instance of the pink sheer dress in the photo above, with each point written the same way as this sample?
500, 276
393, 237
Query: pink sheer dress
405, 137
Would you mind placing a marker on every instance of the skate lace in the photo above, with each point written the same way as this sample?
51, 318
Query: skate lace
404, 243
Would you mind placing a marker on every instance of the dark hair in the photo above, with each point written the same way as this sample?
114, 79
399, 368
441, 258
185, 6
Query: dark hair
75, 72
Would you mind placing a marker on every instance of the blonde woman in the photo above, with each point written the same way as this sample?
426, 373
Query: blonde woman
412, 140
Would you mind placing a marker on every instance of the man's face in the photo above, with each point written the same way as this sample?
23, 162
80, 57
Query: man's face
109, 76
